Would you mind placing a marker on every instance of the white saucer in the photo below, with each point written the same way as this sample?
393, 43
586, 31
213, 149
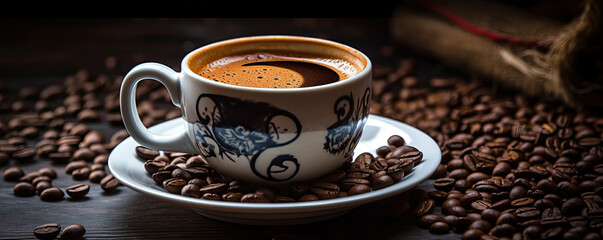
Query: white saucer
129, 170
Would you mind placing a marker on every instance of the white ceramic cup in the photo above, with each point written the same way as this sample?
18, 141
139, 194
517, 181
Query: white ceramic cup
259, 135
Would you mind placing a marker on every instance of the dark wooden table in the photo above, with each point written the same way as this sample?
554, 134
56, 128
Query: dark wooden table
40, 52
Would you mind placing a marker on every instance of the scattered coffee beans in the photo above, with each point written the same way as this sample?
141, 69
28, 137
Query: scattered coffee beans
512, 167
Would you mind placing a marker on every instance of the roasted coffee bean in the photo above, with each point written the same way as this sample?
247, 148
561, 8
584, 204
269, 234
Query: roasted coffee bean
426, 220
97, 176
502, 230
383, 151
174, 185
233, 196
457, 211
485, 186
47, 231
153, 166
24, 189
216, 188
161, 176
480, 205
444, 184
109, 183
501, 169
472, 234
439, 227
476, 177
360, 173
39, 179
325, 190
191, 190
182, 174
254, 198
52, 194
359, 189
211, 196
522, 202
73, 231
146, 153
527, 213
395, 140
307, 198
348, 183
552, 233
424, 207
469, 197
266, 192
448, 204
78, 191
382, 181
297, 190
572, 206
72, 166
41, 186
438, 196
406, 165
49, 172
81, 173
481, 225
13, 174
490, 215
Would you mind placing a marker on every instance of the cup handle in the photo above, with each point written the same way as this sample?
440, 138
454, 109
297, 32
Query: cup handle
178, 142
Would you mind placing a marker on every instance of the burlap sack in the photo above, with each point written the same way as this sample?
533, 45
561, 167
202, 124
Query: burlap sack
542, 57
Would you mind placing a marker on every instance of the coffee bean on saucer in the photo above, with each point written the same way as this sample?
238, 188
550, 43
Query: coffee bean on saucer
359, 189
395, 140
146, 153
174, 185
254, 198
47, 231
191, 190
308, 198
325, 190
78, 191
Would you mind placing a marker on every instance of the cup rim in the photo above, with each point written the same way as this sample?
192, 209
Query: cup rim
361, 75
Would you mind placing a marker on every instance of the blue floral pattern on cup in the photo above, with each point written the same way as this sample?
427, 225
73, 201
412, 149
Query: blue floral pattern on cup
233, 129
351, 116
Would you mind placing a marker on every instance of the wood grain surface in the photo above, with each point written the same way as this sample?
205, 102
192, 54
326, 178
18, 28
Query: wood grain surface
39, 52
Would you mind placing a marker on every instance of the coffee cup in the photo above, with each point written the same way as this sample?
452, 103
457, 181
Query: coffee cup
257, 130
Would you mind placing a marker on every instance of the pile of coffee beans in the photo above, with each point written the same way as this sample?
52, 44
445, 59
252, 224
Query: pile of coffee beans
190, 175
65, 124
512, 167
